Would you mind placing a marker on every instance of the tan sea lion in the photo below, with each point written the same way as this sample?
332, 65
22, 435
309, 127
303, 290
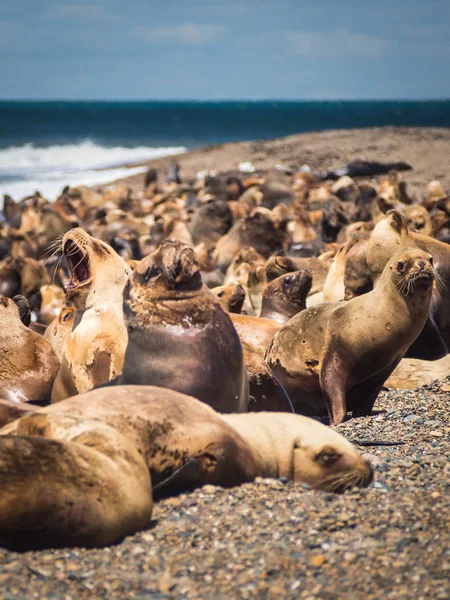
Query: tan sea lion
231, 297
98, 454
53, 301
390, 235
334, 286
59, 329
413, 373
257, 332
335, 357
179, 336
286, 296
28, 364
94, 350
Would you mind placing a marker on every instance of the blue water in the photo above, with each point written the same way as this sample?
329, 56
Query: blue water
47, 145
194, 124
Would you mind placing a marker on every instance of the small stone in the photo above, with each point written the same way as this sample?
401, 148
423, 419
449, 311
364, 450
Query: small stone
318, 560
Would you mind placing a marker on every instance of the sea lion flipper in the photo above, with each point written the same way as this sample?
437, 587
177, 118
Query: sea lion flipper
333, 379
187, 476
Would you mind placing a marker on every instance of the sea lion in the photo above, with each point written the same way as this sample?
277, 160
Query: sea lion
285, 296
256, 230
231, 297
335, 357
28, 364
52, 302
103, 450
257, 332
59, 329
94, 350
367, 259
280, 265
179, 336
413, 373
334, 286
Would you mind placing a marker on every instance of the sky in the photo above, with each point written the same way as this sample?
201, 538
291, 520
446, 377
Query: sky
207, 50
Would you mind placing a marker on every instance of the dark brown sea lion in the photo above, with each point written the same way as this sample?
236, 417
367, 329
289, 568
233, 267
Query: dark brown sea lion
335, 357
94, 350
28, 364
210, 222
80, 472
256, 230
179, 336
280, 265
285, 296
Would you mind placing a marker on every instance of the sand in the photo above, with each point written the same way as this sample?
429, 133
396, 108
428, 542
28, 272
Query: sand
427, 150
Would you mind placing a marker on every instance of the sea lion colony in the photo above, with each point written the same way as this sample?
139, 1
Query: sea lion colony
273, 291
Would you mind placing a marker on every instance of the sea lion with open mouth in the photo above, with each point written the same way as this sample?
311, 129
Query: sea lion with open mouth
94, 350
179, 336
81, 472
335, 357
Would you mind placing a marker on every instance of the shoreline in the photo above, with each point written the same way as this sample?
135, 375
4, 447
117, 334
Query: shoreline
425, 148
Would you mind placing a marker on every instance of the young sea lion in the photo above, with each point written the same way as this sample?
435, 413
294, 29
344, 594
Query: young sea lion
231, 297
335, 357
28, 364
94, 350
286, 296
79, 472
179, 336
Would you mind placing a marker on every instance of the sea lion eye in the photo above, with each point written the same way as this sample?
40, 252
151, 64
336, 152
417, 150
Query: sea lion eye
151, 272
431, 260
289, 279
400, 266
66, 317
327, 456
220, 294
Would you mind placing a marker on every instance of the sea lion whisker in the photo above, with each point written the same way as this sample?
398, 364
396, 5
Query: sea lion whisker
55, 253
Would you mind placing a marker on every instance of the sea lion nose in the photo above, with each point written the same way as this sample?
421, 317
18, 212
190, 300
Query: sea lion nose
422, 264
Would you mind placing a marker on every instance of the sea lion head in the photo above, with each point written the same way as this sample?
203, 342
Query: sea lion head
94, 267
231, 297
286, 295
10, 312
171, 270
324, 459
302, 450
412, 271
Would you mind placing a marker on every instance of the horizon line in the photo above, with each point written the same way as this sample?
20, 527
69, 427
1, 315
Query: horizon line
229, 100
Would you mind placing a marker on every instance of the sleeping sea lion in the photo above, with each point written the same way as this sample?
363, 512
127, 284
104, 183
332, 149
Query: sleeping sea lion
80, 472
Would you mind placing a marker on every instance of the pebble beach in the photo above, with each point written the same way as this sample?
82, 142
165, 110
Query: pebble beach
271, 538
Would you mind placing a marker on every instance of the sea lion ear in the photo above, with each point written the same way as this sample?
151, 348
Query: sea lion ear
187, 267
399, 221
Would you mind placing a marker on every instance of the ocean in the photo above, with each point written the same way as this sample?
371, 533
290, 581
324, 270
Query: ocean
47, 145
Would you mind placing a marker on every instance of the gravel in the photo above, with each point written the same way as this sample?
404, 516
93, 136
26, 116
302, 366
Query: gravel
273, 539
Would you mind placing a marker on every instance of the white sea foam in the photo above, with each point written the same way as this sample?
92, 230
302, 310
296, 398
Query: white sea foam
24, 169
